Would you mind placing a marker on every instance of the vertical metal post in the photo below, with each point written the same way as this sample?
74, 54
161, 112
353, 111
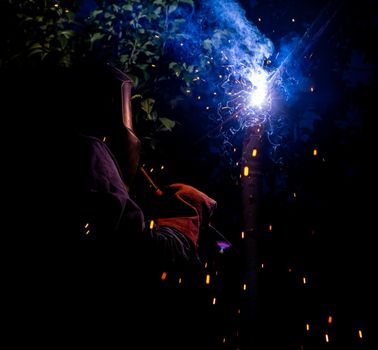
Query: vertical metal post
251, 189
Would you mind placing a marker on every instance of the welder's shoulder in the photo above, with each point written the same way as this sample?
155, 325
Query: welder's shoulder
92, 145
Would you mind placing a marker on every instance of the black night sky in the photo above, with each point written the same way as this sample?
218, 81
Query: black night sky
316, 245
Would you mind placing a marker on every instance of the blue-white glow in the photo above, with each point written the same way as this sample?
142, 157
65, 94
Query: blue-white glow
259, 95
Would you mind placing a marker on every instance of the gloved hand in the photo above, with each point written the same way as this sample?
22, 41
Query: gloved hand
186, 209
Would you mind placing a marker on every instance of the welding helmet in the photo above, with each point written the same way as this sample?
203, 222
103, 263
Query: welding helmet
126, 145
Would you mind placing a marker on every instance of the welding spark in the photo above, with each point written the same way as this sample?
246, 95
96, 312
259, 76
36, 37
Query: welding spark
259, 94
248, 90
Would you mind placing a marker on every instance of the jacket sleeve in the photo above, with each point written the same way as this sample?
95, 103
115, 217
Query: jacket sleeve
114, 212
107, 200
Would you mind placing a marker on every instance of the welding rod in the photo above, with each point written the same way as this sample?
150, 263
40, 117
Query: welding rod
157, 190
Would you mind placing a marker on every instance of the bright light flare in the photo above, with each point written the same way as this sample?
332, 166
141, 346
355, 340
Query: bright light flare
259, 93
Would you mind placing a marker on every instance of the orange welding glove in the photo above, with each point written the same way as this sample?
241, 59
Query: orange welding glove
187, 210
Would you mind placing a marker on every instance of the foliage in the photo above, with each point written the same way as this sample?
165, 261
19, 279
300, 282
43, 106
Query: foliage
151, 41
41, 29
131, 35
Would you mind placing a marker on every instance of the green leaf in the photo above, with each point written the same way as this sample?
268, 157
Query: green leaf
147, 106
169, 124
147, 43
157, 11
67, 33
158, 2
109, 15
35, 46
176, 68
25, 18
172, 8
96, 36
96, 13
124, 58
34, 52
127, 7
116, 8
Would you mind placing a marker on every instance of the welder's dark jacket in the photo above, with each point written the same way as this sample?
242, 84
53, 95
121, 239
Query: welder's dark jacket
66, 284
106, 213
99, 276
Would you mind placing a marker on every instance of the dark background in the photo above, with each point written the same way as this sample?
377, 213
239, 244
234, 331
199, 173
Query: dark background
326, 231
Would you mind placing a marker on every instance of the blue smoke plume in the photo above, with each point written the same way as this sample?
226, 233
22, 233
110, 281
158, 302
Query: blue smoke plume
234, 68
238, 59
